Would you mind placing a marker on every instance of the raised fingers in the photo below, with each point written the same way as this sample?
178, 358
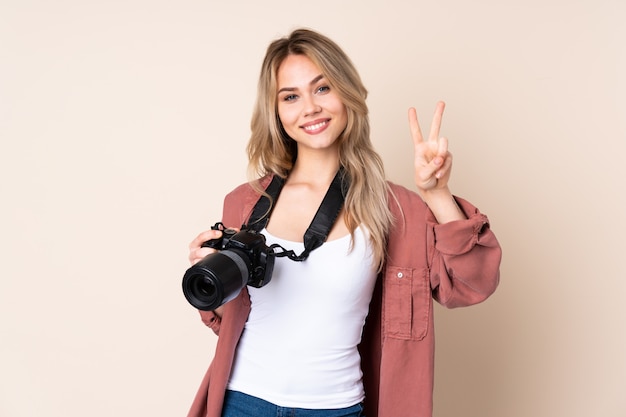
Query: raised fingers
435, 126
416, 132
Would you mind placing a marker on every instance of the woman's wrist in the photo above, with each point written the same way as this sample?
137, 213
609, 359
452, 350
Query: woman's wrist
442, 204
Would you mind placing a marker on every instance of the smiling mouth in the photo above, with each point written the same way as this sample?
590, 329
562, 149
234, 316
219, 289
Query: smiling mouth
316, 126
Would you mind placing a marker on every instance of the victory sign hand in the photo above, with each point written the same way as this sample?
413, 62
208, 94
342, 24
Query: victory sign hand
433, 162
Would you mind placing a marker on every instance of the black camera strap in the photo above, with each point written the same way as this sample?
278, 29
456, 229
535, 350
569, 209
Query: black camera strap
323, 221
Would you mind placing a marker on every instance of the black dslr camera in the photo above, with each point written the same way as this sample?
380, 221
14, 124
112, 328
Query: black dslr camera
244, 259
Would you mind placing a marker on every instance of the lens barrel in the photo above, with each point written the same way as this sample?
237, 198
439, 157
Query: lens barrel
216, 279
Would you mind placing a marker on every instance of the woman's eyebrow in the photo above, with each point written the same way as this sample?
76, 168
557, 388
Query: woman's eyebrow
313, 81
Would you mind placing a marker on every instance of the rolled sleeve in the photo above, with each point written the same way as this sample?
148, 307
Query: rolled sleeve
465, 263
459, 237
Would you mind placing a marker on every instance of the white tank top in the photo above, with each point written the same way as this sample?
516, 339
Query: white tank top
299, 345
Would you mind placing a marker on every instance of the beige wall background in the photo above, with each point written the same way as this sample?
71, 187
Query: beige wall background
123, 124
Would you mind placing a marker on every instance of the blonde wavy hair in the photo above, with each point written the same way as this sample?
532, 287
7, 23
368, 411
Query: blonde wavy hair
272, 152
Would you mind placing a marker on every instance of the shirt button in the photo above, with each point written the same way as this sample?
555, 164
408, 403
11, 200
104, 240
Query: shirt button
400, 274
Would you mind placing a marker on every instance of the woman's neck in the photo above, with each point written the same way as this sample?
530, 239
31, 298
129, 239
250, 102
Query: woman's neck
314, 171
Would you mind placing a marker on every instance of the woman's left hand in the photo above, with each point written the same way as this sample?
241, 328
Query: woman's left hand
433, 162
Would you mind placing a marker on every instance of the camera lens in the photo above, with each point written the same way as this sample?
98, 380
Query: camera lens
203, 287
216, 279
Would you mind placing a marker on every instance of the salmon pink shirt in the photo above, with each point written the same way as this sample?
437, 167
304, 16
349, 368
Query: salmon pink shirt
456, 264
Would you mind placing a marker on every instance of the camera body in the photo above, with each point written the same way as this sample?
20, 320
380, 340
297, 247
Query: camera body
243, 259
250, 243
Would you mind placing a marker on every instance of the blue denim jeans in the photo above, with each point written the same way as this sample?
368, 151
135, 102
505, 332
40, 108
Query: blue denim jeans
237, 404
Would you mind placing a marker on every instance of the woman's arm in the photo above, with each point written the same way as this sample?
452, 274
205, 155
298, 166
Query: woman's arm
465, 260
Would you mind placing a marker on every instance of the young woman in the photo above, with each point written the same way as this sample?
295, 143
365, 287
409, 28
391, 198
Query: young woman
348, 331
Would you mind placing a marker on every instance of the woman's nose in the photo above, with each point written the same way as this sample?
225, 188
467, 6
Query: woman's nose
311, 106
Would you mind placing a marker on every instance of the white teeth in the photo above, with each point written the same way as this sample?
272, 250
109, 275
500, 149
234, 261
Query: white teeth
315, 126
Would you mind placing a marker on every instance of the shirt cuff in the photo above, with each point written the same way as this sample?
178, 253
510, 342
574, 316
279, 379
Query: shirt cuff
460, 236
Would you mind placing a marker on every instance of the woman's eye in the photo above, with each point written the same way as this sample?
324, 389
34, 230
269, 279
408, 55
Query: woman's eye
323, 89
290, 97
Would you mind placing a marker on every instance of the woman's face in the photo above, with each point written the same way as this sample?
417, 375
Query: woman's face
310, 111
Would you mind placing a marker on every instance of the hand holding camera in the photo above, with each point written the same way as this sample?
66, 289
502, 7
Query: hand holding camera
237, 259
197, 248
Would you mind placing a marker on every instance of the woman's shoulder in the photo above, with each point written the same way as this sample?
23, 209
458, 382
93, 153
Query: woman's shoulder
247, 193
240, 201
250, 187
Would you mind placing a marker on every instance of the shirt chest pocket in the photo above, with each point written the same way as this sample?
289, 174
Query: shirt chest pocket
406, 303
